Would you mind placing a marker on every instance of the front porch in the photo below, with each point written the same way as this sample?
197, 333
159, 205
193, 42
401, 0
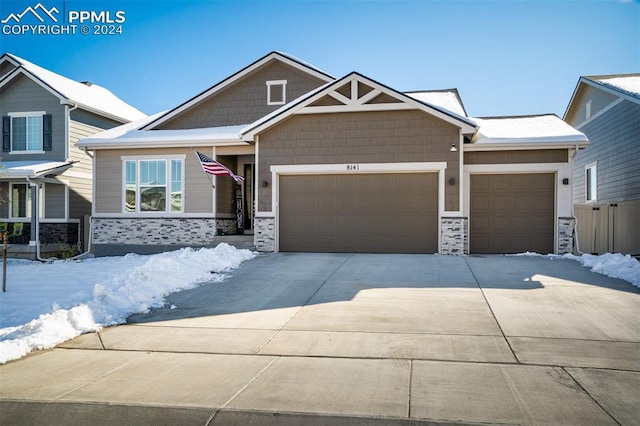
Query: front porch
56, 239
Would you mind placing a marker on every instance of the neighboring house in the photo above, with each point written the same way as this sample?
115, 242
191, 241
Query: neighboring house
45, 179
606, 188
333, 165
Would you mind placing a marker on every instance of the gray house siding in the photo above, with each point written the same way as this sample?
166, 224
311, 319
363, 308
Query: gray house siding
611, 223
6, 68
599, 100
54, 201
615, 146
80, 176
517, 157
359, 137
246, 100
24, 95
198, 193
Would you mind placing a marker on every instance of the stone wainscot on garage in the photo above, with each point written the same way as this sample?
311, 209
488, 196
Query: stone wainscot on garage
333, 165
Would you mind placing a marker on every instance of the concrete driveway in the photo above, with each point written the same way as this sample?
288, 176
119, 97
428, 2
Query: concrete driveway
355, 339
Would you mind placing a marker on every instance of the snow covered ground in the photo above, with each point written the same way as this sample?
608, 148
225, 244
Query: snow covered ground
48, 303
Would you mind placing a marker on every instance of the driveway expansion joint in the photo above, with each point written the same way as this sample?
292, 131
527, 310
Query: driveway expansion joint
493, 314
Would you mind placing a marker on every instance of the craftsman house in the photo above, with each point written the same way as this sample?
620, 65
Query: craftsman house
45, 179
333, 165
606, 188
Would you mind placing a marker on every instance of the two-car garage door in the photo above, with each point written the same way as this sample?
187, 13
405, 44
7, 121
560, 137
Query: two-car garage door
367, 213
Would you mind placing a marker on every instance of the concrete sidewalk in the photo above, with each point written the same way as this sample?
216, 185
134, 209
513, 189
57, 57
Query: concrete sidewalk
325, 339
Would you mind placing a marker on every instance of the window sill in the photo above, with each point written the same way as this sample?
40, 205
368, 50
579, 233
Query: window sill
25, 152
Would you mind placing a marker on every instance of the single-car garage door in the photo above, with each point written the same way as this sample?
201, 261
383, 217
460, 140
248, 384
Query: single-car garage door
363, 213
512, 213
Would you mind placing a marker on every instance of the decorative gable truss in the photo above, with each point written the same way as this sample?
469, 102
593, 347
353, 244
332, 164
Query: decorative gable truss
355, 96
354, 93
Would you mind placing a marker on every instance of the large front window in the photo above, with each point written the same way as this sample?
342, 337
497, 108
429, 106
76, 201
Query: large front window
153, 185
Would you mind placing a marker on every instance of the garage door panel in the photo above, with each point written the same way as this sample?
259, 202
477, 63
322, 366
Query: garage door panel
383, 213
512, 213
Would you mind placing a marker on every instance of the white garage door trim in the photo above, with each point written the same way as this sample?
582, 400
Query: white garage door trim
355, 168
563, 203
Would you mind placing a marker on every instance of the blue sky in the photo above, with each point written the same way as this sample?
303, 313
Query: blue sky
504, 57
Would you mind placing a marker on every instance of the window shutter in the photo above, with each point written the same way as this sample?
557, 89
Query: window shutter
6, 134
47, 144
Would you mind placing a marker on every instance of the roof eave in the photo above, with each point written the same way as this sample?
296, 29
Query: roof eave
36, 174
120, 119
514, 144
124, 143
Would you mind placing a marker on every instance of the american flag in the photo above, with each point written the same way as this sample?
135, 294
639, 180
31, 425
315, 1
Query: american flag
212, 167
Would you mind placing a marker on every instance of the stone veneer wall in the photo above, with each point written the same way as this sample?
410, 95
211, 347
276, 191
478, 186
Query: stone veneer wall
264, 233
58, 233
566, 226
455, 235
161, 231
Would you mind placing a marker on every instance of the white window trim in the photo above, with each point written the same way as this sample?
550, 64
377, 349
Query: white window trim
21, 115
282, 83
137, 159
593, 166
587, 109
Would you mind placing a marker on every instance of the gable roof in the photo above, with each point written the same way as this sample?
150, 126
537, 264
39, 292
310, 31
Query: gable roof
626, 86
279, 56
527, 131
90, 97
446, 98
467, 125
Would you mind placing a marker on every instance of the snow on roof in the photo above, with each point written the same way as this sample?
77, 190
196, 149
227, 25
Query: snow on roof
125, 128
629, 83
305, 63
130, 136
13, 169
447, 99
542, 129
91, 96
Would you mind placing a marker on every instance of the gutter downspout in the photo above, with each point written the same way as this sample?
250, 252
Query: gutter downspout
70, 107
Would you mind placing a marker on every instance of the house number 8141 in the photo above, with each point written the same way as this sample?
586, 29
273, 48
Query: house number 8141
353, 167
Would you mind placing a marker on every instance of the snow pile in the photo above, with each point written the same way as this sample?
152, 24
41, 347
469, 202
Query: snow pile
70, 298
613, 265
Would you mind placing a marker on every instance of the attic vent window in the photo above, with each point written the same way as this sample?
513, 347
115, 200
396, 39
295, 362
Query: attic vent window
587, 111
276, 92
